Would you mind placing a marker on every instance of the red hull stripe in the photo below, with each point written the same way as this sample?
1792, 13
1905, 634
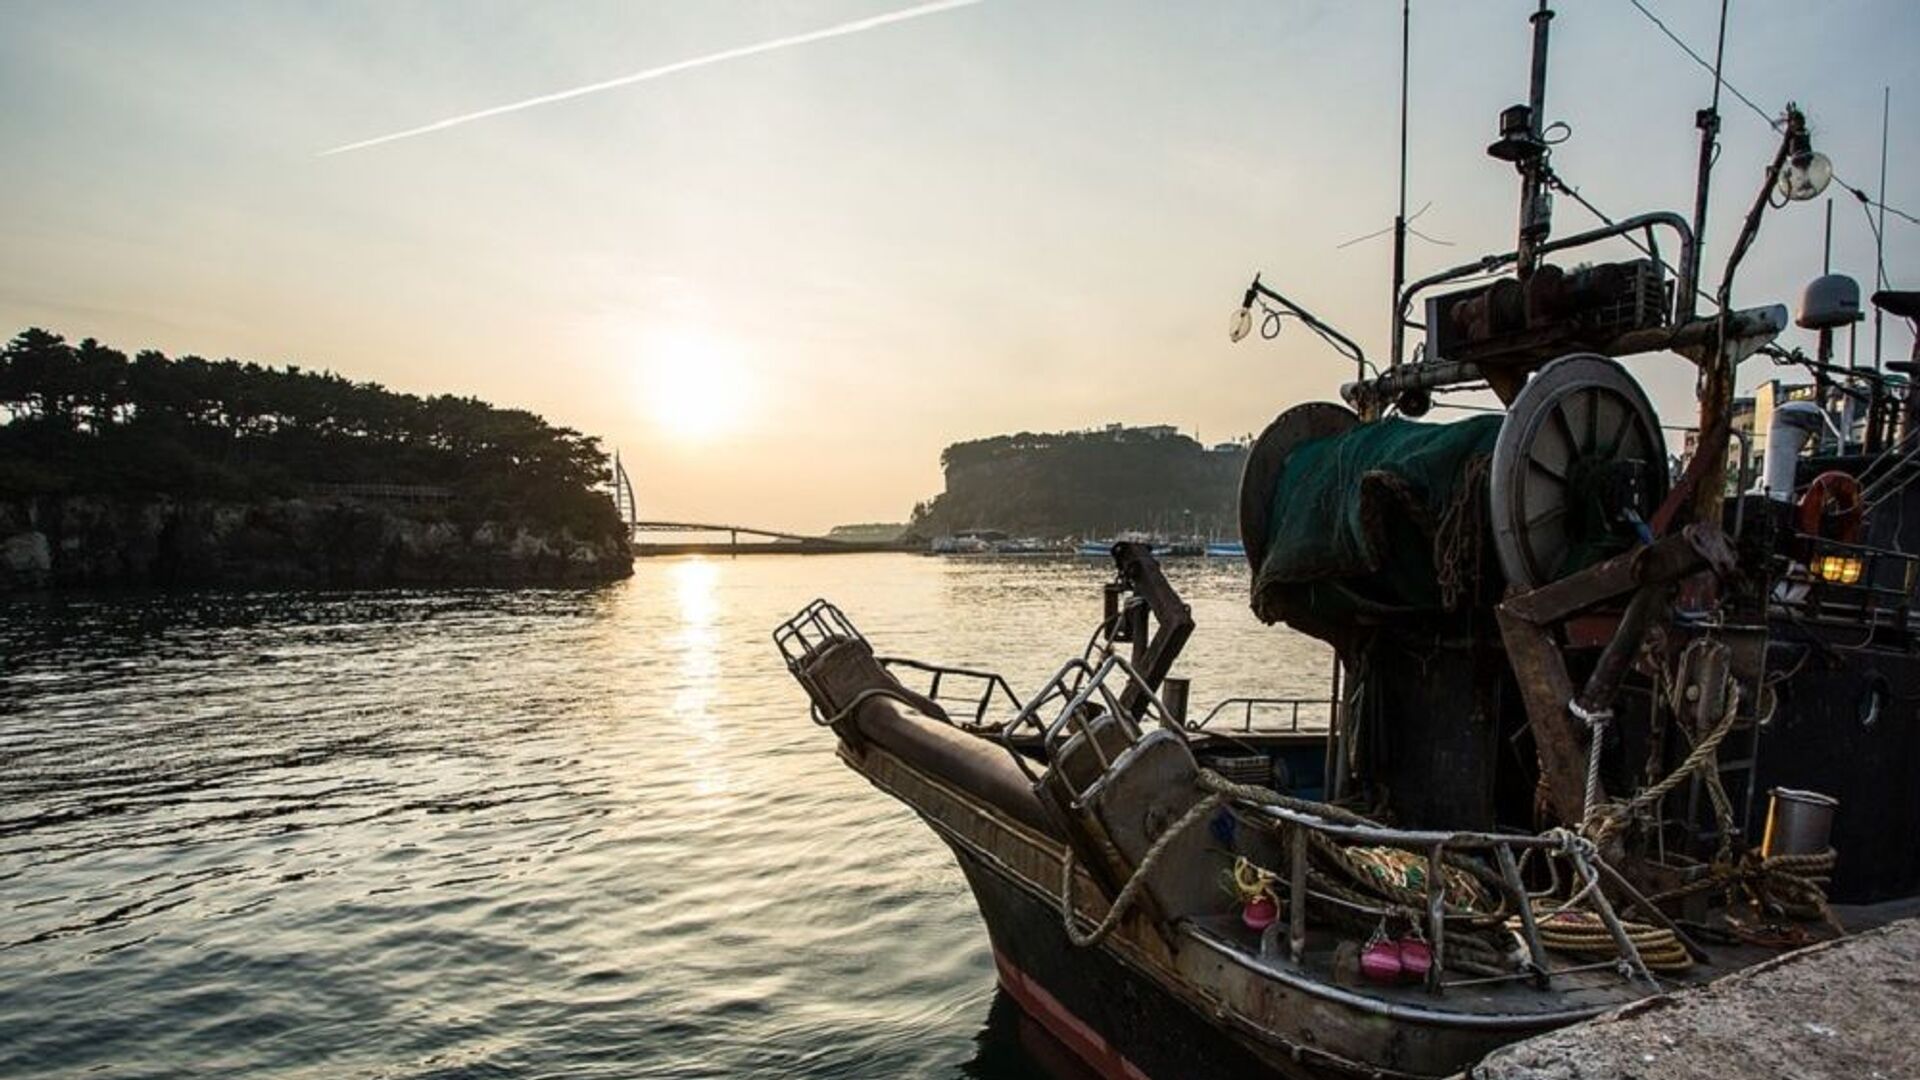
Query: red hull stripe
1072, 1031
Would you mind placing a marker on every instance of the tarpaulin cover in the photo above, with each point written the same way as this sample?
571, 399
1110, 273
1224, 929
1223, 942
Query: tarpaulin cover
1353, 516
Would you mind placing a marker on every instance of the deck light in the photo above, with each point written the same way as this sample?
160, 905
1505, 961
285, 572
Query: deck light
1807, 172
1838, 569
1242, 324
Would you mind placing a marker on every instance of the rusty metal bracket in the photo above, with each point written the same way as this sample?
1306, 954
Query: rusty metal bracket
1527, 626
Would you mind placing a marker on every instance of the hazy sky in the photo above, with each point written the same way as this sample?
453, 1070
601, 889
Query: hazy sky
779, 285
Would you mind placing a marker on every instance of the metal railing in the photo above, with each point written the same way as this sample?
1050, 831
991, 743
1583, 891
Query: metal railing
817, 625
820, 624
985, 686
1086, 700
1092, 714
1248, 707
1880, 592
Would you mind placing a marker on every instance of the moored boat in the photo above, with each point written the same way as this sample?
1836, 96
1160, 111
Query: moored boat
1596, 730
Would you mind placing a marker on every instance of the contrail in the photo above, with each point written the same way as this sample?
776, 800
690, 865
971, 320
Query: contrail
854, 27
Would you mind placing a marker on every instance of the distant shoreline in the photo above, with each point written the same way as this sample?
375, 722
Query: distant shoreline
83, 541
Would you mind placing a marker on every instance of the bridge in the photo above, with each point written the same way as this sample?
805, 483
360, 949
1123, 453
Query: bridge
759, 542
734, 531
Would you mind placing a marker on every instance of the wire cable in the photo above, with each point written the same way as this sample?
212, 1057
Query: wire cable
1771, 121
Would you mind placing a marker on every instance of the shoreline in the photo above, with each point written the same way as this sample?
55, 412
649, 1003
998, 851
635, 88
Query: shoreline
91, 541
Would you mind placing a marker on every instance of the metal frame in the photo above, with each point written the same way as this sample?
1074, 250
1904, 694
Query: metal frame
1870, 599
1096, 698
1689, 262
988, 682
1247, 705
1087, 697
816, 626
1436, 846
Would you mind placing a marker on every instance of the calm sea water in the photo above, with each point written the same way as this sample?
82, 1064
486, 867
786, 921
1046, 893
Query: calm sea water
512, 833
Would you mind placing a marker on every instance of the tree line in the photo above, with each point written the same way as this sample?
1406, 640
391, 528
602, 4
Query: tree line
85, 418
1087, 484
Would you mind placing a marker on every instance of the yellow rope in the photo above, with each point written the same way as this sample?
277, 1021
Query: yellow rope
1583, 934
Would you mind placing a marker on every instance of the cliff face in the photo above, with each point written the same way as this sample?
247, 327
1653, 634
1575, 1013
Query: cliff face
1087, 484
86, 541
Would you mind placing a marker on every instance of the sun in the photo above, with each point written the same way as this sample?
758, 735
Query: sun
696, 387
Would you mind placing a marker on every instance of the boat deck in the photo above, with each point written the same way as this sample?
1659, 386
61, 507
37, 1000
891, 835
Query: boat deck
1579, 987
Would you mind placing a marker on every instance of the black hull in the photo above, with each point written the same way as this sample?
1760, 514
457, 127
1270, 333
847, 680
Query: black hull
1117, 1020
1846, 725
1133, 1008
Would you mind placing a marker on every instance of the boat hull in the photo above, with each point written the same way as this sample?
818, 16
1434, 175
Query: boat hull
1123, 1025
1134, 1006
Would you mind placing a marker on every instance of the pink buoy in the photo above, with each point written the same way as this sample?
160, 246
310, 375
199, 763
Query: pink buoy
1380, 961
1259, 913
1416, 958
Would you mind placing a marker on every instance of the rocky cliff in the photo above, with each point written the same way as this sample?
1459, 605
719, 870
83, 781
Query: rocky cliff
86, 541
1087, 483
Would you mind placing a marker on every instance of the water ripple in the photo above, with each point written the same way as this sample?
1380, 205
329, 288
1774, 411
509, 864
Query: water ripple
475, 833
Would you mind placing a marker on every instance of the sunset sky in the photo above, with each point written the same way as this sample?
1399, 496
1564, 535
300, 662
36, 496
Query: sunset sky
779, 284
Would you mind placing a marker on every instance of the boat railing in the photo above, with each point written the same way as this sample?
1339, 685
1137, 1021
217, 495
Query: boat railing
1083, 687
808, 633
1852, 583
1285, 711
1440, 849
979, 691
1109, 708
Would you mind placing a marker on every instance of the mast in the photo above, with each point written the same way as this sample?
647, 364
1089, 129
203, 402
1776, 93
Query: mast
1708, 121
1880, 234
1400, 219
1536, 205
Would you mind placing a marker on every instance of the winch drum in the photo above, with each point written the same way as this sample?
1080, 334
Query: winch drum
1577, 416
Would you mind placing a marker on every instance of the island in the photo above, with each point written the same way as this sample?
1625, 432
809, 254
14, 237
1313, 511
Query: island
159, 471
1094, 483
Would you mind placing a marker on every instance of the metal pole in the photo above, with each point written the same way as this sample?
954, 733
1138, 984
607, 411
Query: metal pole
1436, 915
1880, 238
1535, 222
1510, 872
1708, 121
1297, 897
1400, 219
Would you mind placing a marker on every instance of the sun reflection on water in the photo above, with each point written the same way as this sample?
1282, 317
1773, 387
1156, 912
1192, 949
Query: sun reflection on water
696, 676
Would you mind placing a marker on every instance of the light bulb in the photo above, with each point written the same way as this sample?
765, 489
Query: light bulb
1242, 324
1806, 175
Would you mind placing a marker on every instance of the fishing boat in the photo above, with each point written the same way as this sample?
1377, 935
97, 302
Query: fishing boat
1598, 728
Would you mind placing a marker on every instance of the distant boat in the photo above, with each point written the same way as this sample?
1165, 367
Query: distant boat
1226, 549
1094, 549
970, 542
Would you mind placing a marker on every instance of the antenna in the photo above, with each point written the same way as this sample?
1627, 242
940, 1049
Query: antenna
1536, 205
1826, 267
1400, 219
1880, 234
1708, 121
1521, 143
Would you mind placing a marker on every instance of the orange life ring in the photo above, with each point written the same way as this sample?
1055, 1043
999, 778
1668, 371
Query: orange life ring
1833, 496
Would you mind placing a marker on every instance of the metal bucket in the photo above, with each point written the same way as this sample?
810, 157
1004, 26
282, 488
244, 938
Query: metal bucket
1174, 692
1798, 822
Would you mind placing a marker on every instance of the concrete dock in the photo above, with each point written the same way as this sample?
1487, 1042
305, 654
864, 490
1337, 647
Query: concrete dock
1844, 1009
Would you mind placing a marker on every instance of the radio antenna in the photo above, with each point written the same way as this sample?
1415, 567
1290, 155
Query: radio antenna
1880, 234
1708, 121
1400, 219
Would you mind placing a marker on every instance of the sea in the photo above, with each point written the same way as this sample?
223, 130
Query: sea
516, 832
